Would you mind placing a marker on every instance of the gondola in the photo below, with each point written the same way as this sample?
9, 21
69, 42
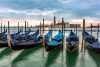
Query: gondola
92, 43
17, 45
15, 35
56, 42
3, 38
72, 42
3, 32
21, 36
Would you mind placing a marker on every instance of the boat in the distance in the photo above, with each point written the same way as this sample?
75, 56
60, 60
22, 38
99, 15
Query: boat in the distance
72, 42
56, 42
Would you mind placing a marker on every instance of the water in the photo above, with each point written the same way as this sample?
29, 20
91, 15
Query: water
37, 57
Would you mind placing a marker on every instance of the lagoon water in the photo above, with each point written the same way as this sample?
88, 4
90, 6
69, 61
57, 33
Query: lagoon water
38, 57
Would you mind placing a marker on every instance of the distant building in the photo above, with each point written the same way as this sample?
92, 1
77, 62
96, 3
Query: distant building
59, 25
54, 20
74, 25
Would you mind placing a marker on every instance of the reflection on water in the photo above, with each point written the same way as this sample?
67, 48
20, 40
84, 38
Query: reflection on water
52, 56
5, 52
95, 57
22, 56
71, 59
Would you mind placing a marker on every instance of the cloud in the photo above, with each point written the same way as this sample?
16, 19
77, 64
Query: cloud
39, 9
66, 1
22, 14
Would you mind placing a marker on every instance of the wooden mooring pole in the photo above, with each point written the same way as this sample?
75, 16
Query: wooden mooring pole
4, 28
62, 32
1, 27
18, 26
76, 29
83, 36
91, 28
8, 28
51, 30
62, 59
40, 28
43, 28
22, 29
8, 35
64, 28
25, 26
43, 39
98, 32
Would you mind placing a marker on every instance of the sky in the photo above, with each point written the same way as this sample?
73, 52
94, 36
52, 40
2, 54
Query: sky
35, 10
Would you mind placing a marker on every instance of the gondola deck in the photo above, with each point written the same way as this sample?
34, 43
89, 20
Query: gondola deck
92, 43
17, 45
55, 43
72, 42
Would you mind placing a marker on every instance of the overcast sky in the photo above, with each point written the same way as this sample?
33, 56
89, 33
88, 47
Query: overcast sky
38, 9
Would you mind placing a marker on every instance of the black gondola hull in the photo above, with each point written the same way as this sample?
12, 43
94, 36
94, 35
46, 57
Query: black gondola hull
72, 48
19, 47
93, 49
50, 48
3, 44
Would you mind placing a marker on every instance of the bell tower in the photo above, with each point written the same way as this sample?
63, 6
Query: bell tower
54, 20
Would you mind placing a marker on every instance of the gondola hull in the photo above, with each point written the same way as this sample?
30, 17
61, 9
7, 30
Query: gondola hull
26, 44
92, 43
72, 42
19, 47
94, 49
55, 43
89, 47
3, 44
30, 43
49, 48
72, 48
